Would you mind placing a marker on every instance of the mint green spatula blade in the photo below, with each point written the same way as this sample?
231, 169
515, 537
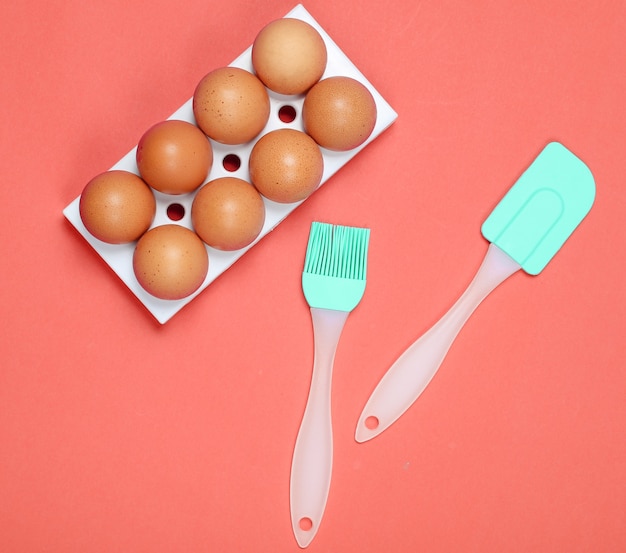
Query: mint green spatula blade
542, 209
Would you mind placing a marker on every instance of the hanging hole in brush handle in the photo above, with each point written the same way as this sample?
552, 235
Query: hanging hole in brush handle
410, 374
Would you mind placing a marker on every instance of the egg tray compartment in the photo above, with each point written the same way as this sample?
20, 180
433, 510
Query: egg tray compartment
170, 207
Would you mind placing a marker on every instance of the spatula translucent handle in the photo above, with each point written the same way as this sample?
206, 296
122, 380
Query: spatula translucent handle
312, 461
410, 374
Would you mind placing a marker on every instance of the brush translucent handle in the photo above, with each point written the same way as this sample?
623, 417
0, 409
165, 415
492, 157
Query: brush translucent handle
410, 374
312, 462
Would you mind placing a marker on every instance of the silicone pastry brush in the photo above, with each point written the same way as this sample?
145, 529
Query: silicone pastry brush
333, 282
525, 230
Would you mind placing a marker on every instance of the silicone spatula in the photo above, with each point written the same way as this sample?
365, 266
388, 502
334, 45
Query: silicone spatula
525, 230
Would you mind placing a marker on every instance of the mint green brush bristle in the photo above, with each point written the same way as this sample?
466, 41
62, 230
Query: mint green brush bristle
335, 266
333, 282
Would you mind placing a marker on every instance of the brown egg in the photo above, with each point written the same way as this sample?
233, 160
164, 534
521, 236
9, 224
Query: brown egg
170, 262
289, 56
174, 157
339, 113
117, 207
286, 165
231, 105
228, 213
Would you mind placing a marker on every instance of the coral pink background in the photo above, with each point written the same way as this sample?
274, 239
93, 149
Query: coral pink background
118, 434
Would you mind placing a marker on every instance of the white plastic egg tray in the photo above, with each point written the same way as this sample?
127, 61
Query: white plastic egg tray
119, 257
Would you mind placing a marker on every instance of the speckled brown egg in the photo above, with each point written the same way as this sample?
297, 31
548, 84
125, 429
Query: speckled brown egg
289, 56
170, 262
339, 113
231, 105
117, 207
228, 213
174, 157
286, 165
